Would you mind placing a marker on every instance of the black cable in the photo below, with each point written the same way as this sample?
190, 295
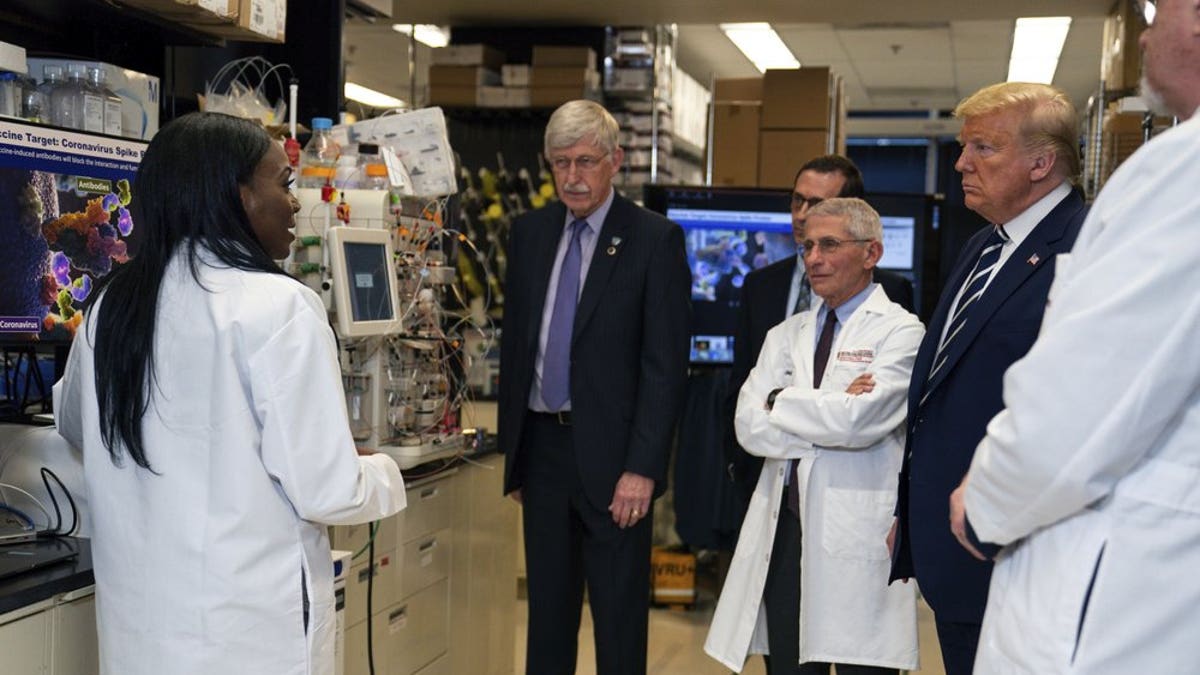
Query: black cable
370, 585
74, 509
57, 514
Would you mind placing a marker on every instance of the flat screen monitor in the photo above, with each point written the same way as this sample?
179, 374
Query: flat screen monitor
365, 292
729, 232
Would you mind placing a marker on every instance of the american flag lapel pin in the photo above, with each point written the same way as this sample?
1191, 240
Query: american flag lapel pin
1033, 259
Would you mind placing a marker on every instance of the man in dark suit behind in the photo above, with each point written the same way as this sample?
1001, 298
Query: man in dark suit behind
1020, 154
775, 292
589, 394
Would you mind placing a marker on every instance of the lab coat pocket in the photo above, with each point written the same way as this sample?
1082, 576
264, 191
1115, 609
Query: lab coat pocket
856, 523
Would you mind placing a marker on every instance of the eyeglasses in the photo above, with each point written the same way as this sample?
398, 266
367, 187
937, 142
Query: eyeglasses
1147, 9
583, 163
827, 245
799, 200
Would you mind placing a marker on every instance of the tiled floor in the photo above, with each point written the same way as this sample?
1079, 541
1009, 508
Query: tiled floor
677, 638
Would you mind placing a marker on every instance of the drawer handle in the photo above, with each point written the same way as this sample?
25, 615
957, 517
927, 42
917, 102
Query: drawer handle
427, 546
398, 615
429, 493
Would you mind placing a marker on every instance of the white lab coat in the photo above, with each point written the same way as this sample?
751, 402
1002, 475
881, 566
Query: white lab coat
1092, 473
199, 565
849, 449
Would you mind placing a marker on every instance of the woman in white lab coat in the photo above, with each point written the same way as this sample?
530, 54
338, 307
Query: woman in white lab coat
205, 393
849, 449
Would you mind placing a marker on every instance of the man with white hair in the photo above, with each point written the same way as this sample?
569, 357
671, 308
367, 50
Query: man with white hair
824, 406
593, 365
1091, 475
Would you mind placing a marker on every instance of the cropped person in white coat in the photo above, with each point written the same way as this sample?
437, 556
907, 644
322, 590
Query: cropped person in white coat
847, 435
205, 393
1091, 475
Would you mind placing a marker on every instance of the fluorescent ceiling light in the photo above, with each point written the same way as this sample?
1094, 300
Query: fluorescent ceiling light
426, 34
761, 44
375, 99
1037, 44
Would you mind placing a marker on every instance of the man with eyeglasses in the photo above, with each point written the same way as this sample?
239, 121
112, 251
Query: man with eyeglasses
824, 405
593, 363
1091, 474
1020, 154
773, 293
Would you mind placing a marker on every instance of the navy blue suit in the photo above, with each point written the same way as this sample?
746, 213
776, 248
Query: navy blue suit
963, 398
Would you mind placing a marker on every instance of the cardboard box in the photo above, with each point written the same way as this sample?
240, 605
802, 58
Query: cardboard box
504, 97
191, 12
256, 21
453, 96
782, 152
735, 144
463, 76
563, 76
796, 99
674, 576
552, 97
515, 75
552, 55
1121, 60
469, 55
139, 92
737, 89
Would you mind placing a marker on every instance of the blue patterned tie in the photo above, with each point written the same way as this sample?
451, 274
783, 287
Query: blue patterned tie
972, 289
556, 361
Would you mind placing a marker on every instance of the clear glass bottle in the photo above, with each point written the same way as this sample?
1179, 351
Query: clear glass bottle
112, 104
372, 171
318, 162
35, 107
52, 78
73, 105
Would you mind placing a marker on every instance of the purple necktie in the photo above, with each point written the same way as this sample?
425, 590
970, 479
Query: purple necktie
556, 361
820, 360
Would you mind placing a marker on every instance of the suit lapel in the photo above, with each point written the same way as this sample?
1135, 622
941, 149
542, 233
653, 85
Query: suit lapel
781, 289
614, 237
1037, 250
545, 238
937, 322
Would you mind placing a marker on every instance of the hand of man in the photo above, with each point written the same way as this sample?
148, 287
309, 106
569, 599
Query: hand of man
863, 384
891, 541
958, 519
516, 496
631, 499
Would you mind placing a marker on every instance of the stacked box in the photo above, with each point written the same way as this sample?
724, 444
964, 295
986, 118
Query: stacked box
562, 73
460, 74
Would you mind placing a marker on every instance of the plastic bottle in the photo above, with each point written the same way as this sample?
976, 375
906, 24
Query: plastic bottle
10, 94
318, 163
112, 104
35, 107
347, 176
52, 78
74, 105
373, 171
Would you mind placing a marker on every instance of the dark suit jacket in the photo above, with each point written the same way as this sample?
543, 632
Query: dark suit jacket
630, 345
963, 398
763, 306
